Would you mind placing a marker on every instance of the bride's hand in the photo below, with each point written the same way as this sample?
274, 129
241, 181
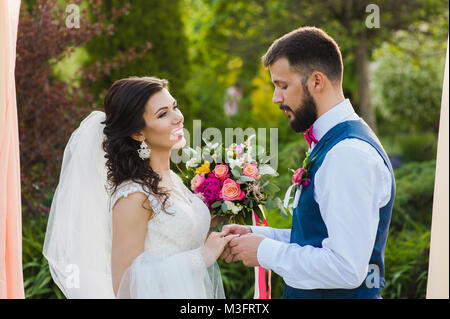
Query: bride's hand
216, 243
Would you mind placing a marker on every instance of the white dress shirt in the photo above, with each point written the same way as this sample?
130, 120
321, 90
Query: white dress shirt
350, 187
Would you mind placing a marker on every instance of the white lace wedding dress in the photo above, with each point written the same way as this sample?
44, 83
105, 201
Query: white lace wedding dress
175, 263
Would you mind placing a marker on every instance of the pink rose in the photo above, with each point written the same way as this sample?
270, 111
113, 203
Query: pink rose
197, 181
250, 170
231, 190
221, 171
297, 177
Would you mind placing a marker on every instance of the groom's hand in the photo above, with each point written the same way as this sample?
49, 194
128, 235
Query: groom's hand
245, 248
233, 229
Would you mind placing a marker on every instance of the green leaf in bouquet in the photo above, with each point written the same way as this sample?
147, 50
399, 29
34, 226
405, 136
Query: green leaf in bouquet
265, 169
216, 204
265, 184
245, 179
271, 188
224, 207
263, 179
237, 172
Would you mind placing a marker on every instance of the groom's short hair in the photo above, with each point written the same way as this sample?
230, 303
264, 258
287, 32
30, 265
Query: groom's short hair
307, 49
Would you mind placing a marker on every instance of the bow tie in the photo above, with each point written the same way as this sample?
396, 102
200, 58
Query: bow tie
309, 137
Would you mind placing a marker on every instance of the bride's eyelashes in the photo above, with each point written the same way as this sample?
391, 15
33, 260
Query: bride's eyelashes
165, 113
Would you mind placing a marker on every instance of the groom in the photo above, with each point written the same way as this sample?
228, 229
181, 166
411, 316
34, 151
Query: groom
335, 248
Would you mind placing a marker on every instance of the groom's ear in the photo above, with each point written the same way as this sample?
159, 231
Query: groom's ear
317, 81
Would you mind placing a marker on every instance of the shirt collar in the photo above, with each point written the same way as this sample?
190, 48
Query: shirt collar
339, 113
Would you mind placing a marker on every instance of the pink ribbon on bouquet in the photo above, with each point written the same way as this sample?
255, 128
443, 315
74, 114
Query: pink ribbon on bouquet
262, 290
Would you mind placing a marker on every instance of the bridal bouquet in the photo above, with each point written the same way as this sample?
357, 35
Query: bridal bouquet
232, 181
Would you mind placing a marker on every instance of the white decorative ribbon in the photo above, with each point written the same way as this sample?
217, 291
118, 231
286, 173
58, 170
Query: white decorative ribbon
287, 196
297, 196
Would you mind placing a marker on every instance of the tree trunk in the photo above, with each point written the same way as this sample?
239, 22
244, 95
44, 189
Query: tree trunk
367, 111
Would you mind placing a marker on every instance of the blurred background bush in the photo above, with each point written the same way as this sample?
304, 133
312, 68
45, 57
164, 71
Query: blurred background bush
209, 50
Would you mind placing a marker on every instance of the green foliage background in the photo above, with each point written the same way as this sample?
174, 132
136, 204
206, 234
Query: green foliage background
157, 22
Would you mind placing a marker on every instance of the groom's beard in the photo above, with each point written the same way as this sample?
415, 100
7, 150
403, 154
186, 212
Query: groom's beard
304, 115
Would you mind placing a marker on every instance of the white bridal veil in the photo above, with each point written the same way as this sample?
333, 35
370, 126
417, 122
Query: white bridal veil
78, 238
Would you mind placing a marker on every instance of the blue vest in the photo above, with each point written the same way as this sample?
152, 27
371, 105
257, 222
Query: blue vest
308, 227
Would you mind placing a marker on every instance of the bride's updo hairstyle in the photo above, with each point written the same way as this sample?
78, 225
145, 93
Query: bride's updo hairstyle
124, 107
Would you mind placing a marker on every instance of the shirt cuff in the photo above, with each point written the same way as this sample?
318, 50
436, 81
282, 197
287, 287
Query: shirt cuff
255, 229
267, 252
263, 230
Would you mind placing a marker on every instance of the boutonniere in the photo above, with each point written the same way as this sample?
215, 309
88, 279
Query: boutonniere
300, 177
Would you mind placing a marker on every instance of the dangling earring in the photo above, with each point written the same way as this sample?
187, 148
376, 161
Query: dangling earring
144, 151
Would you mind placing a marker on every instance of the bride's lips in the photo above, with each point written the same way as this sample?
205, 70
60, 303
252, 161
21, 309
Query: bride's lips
178, 132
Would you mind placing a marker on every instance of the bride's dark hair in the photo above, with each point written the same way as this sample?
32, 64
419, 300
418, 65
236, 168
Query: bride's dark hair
124, 107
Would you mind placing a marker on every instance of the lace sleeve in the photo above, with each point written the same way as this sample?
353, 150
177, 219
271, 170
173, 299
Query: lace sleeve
128, 188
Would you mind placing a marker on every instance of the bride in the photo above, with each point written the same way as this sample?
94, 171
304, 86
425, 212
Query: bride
122, 224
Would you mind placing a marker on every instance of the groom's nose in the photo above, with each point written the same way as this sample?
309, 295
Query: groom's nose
277, 97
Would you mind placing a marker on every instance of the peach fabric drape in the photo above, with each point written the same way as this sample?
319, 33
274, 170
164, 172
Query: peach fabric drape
438, 287
11, 278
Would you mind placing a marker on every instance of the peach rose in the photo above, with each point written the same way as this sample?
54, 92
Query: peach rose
231, 190
221, 171
250, 170
196, 182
